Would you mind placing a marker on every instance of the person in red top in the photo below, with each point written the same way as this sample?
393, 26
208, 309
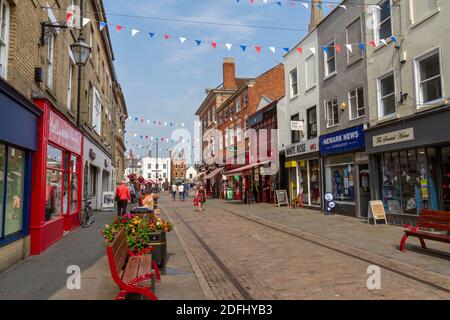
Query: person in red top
123, 197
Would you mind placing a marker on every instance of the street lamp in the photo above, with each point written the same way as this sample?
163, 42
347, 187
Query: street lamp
81, 51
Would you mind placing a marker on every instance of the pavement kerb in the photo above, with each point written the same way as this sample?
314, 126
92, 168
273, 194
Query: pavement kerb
195, 267
428, 277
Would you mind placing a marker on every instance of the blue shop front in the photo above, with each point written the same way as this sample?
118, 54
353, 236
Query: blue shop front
346, 170
18, 140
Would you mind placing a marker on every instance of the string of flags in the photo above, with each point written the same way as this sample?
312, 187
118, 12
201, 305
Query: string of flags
228, 45
158, 139
292, 3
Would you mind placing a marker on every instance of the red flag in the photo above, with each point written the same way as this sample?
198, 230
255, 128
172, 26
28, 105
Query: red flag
166, 36
118, 28
258, 49
338, 48
69, 15
300, 50
214, 44
373, 44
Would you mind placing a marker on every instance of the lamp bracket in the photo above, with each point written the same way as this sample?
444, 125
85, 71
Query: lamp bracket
48, 27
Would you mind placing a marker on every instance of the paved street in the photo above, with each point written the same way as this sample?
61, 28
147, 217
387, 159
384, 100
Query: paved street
318, 257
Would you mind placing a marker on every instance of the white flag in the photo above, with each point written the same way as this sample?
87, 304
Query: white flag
134, 32
305, 5
313, 50
228, 45
349, 47
182, 40
383, 41
272, 49
86, 21
343, 7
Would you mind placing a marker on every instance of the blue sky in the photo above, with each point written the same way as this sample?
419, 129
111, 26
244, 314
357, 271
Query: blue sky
164, 80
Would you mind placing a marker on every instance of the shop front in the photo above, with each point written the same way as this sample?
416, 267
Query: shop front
17, 145
346, 170
410, 160
57, 166
303, 161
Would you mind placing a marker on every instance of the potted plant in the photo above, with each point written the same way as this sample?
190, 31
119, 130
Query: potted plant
143, 231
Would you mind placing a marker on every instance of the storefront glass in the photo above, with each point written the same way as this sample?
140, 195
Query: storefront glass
339, 178
314, 182
2, 182
408, 183
445, 155
303, 180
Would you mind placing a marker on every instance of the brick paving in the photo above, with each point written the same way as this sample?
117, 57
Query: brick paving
283, 266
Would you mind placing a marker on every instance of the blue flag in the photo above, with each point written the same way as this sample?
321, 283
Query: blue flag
286, 49
151, 34
199, 42
243, 47
362, 46
101, 25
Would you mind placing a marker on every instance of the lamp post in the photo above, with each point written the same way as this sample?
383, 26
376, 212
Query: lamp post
81, 52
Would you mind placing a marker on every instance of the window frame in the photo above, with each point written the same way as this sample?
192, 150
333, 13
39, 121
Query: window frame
417, 77
377, 20
97, 97
327, 59
350, 116
295, 135
293, 84
4, 43
308, 124
335, 123
347, 40
379, 97
309, 86
49, 60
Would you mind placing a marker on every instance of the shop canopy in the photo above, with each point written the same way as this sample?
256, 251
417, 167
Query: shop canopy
245, 168
213, 173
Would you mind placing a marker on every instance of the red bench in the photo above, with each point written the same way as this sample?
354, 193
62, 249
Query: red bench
132, 272
437, 220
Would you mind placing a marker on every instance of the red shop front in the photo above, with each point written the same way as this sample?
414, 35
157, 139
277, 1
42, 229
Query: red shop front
57, 164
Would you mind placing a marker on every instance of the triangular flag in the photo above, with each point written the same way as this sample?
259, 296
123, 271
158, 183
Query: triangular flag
199, 42
300, 50
394, 38
286, 49
182, 40
383, 41
337, 47
228, 45
166, 36
243, 47
343, 7
151, 34
69, 15
214, 44
349, 47
134, 32
305, 5
373, 44
362, 46
119, 28
86, 21
279, 3
313, 50
258, 49
325, 49
272, 49
102, 25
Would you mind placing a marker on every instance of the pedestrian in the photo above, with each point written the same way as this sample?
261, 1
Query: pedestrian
181, 191
201, 197
174, 191
123, 198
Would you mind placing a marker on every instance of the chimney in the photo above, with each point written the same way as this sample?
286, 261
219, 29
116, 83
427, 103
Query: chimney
316, 14
229, 74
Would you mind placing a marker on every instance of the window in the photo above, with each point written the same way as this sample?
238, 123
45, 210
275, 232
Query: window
149, 166
220, 117
238, 105
356, 102
69, 84
329, 58
149, 175
239, 132
245, 100
226, 138
164, 166
4, 37
97, 112
310, 72
221, 141
354, 35
12, 190
421, 8
332, 113
429, 83
312, 122
97, 60
293, 82
295, 134
386, 89
339, 180
54, 190
383, 28
50, 54
231, 136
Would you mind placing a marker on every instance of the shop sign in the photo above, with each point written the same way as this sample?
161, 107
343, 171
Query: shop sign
342, 141
394, 137
297, 126
63, 134
302, 148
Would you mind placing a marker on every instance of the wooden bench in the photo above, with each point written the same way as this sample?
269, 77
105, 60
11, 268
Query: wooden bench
437, 220
132, 272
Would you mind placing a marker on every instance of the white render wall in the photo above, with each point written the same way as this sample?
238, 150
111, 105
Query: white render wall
307, 97
152, 171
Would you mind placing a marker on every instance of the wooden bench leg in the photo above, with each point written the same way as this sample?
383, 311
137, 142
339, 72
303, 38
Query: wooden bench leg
422, 242
403, 242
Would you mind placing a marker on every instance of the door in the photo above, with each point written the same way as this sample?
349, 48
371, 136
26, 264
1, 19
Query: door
364, 190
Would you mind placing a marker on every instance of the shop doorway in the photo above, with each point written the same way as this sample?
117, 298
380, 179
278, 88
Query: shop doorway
364, 190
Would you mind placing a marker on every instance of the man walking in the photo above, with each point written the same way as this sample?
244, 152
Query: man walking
181, 191
174, 191
123, 197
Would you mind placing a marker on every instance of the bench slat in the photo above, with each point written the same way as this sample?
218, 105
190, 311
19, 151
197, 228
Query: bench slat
120, 255
428, 212
145, 266
431, 236
118, 240
131, 270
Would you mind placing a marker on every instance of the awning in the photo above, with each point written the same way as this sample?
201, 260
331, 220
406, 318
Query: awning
201, 174
213, 173
245, 168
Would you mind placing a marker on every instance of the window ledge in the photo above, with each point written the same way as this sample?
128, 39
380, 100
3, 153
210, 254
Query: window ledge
357, 118
310, 88
425, 18
329, 76
430, 104
333, 126
382, 45
293, 97
387, 118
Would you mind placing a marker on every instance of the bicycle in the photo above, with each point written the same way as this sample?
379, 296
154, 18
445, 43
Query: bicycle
86, 216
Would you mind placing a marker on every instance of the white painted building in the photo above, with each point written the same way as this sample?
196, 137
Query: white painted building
156, 168
191, 174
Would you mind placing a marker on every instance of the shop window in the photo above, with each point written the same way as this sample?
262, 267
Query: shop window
340, 181
329, 59
445, 158
2, 183
312, 122
332, 111
356, 101
383, 24
314, 182
303, 187
428, 70
386, 91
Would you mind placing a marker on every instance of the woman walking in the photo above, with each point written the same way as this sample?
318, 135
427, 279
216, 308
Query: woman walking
200, 195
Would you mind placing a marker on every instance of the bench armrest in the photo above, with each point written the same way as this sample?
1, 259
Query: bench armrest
140, 253
411, 228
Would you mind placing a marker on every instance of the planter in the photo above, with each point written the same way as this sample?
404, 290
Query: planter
159, 244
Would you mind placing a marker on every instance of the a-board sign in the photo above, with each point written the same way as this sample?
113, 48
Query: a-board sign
282, 198
108, 201
376, 210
